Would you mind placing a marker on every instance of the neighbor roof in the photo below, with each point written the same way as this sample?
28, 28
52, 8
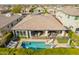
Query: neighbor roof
39, 22
71, 10
4, 20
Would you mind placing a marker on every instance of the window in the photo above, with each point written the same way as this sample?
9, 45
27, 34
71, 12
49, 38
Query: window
76, 17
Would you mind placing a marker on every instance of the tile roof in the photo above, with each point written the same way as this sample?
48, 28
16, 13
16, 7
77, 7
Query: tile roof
39, 22
71, 10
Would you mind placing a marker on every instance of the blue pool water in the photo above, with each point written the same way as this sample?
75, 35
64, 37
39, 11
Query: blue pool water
35, 45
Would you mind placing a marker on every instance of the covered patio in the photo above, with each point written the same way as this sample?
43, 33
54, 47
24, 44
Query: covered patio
43, 34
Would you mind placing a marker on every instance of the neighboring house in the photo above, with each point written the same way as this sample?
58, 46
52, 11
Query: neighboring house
4, 9
39, 26
7, 21
69, 16
38, 10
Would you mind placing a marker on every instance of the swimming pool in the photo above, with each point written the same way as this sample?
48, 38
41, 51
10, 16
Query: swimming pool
35, 45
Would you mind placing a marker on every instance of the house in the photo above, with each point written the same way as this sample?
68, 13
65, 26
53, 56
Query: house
4, 9
38, 10
69, 16
39, 26
7, 21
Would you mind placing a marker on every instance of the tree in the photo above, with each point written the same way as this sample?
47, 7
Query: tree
16, 9
45, 11
32, 9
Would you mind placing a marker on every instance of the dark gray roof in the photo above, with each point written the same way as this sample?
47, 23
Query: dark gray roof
4, 20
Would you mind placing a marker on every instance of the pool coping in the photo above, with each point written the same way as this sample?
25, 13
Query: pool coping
31, 40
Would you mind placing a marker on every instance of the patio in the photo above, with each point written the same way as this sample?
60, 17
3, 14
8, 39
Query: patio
43, 34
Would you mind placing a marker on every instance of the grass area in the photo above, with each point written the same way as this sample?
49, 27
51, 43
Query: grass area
62, 40
54, 51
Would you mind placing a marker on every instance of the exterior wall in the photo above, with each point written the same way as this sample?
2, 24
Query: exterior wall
67, 20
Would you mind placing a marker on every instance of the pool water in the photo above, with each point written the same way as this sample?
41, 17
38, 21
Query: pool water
35, 45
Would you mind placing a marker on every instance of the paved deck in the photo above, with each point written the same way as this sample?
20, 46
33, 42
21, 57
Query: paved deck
58, 45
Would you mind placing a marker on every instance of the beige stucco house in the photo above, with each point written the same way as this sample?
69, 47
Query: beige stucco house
36, 26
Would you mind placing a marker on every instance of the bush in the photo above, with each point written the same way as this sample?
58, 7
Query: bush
74, 37
16, 9
6, 38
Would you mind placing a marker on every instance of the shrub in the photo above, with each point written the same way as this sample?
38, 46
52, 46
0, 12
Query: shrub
16, 9
73, 35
